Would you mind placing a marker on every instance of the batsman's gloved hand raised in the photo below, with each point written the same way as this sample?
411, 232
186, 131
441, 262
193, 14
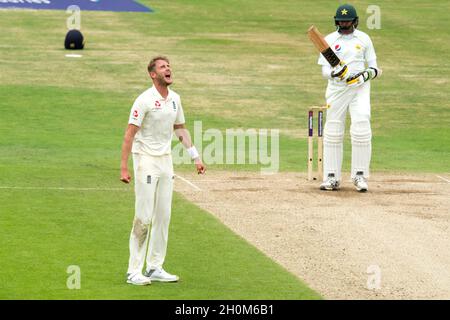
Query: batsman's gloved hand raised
361, 77
340, 72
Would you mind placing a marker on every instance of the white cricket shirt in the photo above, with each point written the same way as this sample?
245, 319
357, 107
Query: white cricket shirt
355, 49
155, 116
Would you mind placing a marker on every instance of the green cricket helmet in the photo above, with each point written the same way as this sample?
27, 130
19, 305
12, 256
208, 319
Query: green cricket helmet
346, 12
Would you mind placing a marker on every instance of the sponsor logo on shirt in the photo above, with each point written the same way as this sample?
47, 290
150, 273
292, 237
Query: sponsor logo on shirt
358, 47
174, 106
337, 47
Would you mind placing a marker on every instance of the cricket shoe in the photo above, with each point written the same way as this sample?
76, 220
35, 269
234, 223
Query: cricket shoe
330, 184
160, 275
138, 279
360, 182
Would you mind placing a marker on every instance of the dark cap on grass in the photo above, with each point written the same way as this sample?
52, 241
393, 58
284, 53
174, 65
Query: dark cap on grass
74, 40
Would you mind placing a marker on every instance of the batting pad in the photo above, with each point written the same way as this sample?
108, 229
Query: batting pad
361, 135
333, 148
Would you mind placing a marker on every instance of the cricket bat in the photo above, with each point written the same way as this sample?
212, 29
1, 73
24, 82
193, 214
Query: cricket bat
319, 42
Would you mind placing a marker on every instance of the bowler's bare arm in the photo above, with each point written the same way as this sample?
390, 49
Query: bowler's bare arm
126, 150
185, 138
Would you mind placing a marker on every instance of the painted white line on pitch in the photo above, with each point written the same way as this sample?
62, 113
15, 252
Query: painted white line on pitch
446, 180
189, 183
242, 180
73, 55
64, 189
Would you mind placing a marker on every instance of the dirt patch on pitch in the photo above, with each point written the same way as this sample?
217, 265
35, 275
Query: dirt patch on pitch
341, 243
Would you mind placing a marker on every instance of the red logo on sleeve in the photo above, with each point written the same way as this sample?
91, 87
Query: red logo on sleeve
135, 113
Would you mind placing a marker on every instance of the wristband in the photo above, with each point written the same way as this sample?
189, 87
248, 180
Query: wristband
193, 152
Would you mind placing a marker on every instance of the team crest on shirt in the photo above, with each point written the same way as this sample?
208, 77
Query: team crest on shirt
337, 47
135, 114
358, 47
157, 104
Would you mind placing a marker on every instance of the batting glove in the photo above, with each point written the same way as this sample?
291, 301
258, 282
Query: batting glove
359, 78
340, 72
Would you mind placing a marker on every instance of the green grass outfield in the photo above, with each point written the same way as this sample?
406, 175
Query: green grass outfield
236, 64
51, 230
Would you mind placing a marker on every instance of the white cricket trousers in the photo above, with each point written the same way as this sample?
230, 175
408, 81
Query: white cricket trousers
357, 101
153, 180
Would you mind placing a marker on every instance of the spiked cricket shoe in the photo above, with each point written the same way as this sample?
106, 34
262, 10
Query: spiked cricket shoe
160, 275
360, 182
330, 183
138, 279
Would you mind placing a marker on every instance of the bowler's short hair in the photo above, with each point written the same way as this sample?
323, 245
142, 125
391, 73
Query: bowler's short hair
152, 64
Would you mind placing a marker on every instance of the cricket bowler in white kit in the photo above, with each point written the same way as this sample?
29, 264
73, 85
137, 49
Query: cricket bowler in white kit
156, 114
348, 89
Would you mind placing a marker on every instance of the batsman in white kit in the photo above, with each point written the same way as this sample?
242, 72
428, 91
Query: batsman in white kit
156, 114
348, 89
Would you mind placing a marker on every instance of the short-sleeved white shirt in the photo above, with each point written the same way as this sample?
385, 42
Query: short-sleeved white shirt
156, 117
355, 49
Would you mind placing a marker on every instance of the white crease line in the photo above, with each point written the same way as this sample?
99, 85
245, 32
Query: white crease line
301, 179
241, 180
446, 180
65, 189
189, 183
74, 55
236, 181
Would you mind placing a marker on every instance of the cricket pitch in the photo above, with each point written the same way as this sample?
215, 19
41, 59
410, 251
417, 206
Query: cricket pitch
334, 240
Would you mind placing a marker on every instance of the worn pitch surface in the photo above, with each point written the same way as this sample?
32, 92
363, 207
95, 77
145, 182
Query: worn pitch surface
334, 240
